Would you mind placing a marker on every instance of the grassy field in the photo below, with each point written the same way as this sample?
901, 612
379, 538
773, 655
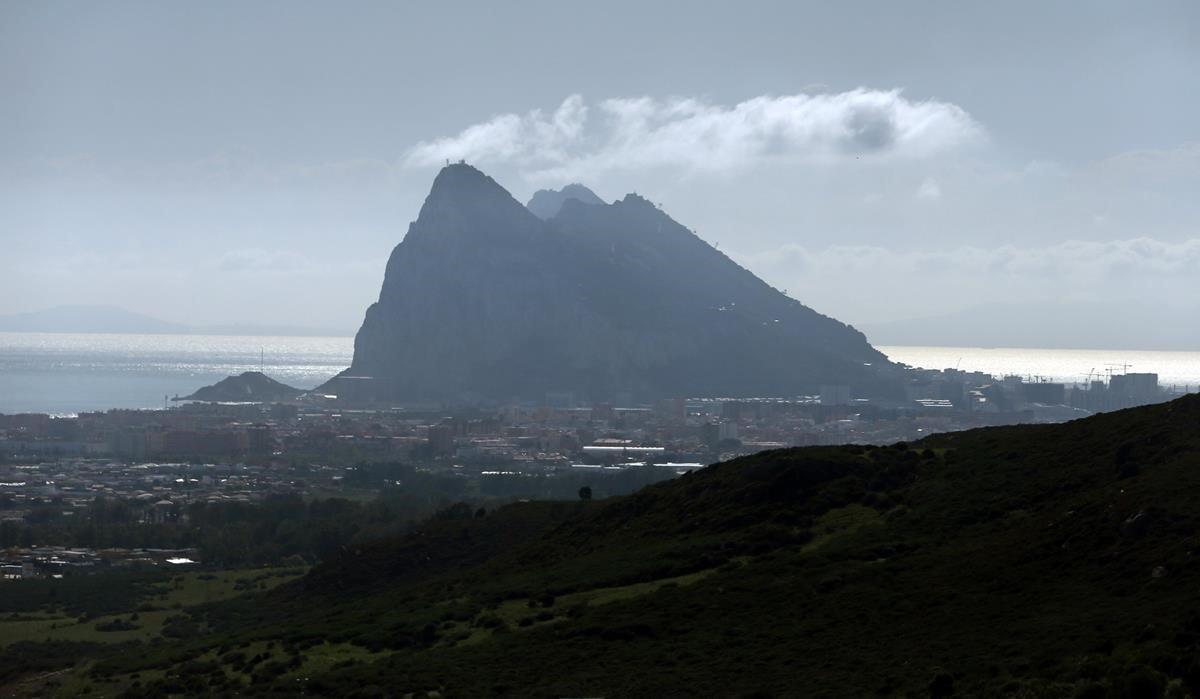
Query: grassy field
232, 671
149, 614
180, 592
840, 523
1037, 561
532, 613
62, 628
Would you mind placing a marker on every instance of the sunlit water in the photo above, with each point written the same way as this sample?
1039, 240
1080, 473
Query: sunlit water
1067, 365
62, 373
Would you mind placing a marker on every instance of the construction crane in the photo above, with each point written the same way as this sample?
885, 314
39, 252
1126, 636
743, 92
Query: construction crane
1124, 367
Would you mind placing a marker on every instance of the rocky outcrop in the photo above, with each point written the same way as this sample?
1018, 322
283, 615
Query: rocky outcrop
546, 203
484, 301
249, 387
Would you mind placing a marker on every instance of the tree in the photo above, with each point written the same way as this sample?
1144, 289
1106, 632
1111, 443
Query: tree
585, 493
9, 535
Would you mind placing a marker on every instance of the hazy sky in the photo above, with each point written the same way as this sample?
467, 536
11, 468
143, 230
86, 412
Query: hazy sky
256, 162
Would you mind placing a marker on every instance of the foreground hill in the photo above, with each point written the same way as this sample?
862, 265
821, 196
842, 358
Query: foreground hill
1018, 561
483, 300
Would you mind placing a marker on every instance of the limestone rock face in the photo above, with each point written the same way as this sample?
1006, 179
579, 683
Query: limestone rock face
483, 301
546, 203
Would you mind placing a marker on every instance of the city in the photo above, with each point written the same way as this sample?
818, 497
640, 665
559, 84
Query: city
160, 462
621, 349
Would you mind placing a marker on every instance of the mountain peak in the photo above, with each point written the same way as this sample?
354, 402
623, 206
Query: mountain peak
633, 199
461, 181
484, 302
546, 203
247, 387
466, 201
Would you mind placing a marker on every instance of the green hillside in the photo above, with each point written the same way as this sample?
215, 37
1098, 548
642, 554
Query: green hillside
1020, 561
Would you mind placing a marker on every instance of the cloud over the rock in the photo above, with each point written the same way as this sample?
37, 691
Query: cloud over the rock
692, 134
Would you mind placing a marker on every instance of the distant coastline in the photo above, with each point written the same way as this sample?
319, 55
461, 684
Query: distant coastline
1174, 367
65, 373
101, 319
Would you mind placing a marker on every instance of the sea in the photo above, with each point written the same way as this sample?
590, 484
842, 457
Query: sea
1179, 370
66, 374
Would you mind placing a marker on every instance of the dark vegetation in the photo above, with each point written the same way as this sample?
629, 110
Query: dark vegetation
1034, 561
280, 527
25, 658
227, 534
82, 596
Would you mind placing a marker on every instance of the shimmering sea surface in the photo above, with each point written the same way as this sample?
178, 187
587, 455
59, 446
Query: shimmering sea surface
62, 373
1066, 365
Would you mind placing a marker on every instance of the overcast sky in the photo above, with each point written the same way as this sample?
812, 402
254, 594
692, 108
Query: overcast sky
256, 162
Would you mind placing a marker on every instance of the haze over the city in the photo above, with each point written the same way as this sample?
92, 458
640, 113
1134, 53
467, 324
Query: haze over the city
611, 349
228, 163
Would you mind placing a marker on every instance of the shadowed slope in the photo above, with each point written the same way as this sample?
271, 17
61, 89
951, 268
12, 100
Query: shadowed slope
484, 301
1032, 561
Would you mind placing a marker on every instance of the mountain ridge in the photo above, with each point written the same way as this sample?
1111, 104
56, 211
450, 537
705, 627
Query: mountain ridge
84, 318
484, 301
104, 318
546, 203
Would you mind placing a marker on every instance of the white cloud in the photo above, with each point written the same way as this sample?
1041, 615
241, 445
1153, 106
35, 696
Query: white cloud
696, 135
1183, 160
929, 190
532, 137
259, 260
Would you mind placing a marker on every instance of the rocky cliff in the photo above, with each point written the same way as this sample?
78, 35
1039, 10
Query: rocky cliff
484, 301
